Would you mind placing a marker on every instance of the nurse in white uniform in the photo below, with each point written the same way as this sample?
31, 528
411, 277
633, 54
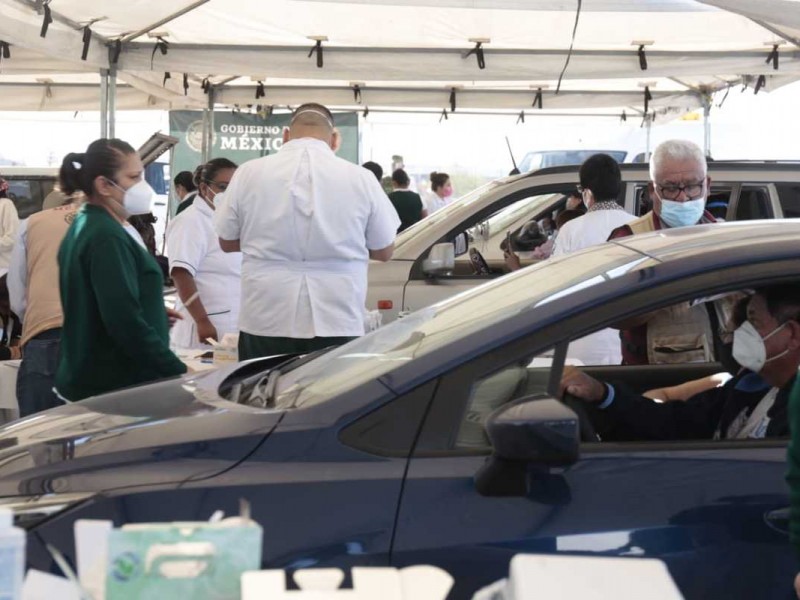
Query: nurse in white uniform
207, 279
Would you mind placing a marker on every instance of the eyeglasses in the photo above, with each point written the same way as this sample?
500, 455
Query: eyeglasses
222, 186
671, 192
580, 188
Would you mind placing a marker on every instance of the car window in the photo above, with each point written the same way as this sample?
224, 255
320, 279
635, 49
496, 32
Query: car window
754, 203
789, 195
518, 219
692, 369
24, 194
528, 377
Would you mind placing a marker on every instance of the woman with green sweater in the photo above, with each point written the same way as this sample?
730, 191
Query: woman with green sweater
116, 330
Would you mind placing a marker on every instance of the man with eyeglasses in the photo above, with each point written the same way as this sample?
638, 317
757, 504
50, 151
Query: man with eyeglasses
678, 187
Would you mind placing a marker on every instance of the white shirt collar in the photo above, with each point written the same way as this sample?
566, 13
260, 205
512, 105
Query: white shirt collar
307, 142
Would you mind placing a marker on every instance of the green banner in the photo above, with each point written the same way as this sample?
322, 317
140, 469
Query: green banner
241, 137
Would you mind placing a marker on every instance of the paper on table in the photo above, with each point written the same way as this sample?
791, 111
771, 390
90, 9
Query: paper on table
39, 585
91, 549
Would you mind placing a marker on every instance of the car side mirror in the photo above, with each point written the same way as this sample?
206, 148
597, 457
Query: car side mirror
528, 434
441, 260
461, 244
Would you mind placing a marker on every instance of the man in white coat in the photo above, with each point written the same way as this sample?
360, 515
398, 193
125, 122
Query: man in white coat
307, 223
600, 185
601, 182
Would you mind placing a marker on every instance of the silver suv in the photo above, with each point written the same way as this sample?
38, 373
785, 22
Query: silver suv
483, 218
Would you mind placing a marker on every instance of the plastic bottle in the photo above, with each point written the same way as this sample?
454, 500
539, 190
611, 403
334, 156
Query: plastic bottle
12, 557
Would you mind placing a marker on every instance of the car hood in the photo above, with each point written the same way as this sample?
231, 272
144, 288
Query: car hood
177, 430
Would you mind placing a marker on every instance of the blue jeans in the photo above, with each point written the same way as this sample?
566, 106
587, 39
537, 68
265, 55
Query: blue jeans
37, 373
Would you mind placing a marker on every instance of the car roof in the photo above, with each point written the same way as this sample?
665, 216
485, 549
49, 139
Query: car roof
756, 166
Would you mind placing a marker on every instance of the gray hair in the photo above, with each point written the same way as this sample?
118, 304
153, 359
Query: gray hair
680, 150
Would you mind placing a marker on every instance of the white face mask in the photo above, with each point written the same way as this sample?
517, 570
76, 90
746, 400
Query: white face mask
218, 199
138, 198
749, 349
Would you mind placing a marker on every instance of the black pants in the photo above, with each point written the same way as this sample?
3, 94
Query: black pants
256, 346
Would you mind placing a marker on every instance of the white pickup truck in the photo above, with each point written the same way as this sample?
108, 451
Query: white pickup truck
482, 219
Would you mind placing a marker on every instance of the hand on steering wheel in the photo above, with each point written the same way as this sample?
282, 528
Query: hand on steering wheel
578, 388
478, 262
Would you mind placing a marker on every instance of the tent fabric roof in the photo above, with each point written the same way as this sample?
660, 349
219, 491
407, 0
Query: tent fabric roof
401, 53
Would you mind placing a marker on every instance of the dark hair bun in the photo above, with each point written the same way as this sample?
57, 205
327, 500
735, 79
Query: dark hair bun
69, 176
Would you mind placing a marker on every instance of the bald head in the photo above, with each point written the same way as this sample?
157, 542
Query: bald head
311, 120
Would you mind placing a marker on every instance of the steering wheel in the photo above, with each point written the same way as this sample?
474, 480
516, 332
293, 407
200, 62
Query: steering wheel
585, 426
478, 262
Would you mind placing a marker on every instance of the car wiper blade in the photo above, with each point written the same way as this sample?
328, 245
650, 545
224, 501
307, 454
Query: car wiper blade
263, 392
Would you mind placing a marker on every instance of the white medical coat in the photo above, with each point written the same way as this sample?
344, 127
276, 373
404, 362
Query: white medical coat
306, 221
194, 246
589, 230
601, 347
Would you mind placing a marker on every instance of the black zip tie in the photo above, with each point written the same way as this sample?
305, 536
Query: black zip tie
521, 117
205, 85
623, 116
571, 44
478, 52
166, 76
357, 94
87, 38
647, 98
260, 91
443, 115
537, 99
318, 49
773, 57
162, 45
117, 50
185, 84
762, 81
366, 111
48, 18
5, 50
453, 100
642, 58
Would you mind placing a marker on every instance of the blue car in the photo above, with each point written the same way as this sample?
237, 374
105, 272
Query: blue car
376, 453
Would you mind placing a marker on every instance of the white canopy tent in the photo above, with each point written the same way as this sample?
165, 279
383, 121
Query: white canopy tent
395, 54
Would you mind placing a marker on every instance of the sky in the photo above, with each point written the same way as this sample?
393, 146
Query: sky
747, 126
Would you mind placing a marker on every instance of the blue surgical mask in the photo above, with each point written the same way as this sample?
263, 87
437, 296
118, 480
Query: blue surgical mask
682, 214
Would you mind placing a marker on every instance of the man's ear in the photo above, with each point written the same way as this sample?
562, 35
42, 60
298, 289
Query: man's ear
336, 140
286, 135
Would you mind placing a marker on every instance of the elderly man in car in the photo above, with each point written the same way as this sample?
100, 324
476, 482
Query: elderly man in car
679, 184
753, 404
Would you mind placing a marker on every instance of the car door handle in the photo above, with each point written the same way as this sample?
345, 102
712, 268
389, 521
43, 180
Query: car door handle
778, 519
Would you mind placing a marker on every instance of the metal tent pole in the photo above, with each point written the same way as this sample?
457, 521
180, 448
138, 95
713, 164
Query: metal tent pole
103, 103
706, 127
648, 123
111, 113
208, 127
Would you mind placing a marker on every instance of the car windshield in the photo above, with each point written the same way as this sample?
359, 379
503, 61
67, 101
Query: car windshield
425, 331
556, 158
454, 208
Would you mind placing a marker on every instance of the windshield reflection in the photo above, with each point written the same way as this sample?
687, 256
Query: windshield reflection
424, 332
443, 214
